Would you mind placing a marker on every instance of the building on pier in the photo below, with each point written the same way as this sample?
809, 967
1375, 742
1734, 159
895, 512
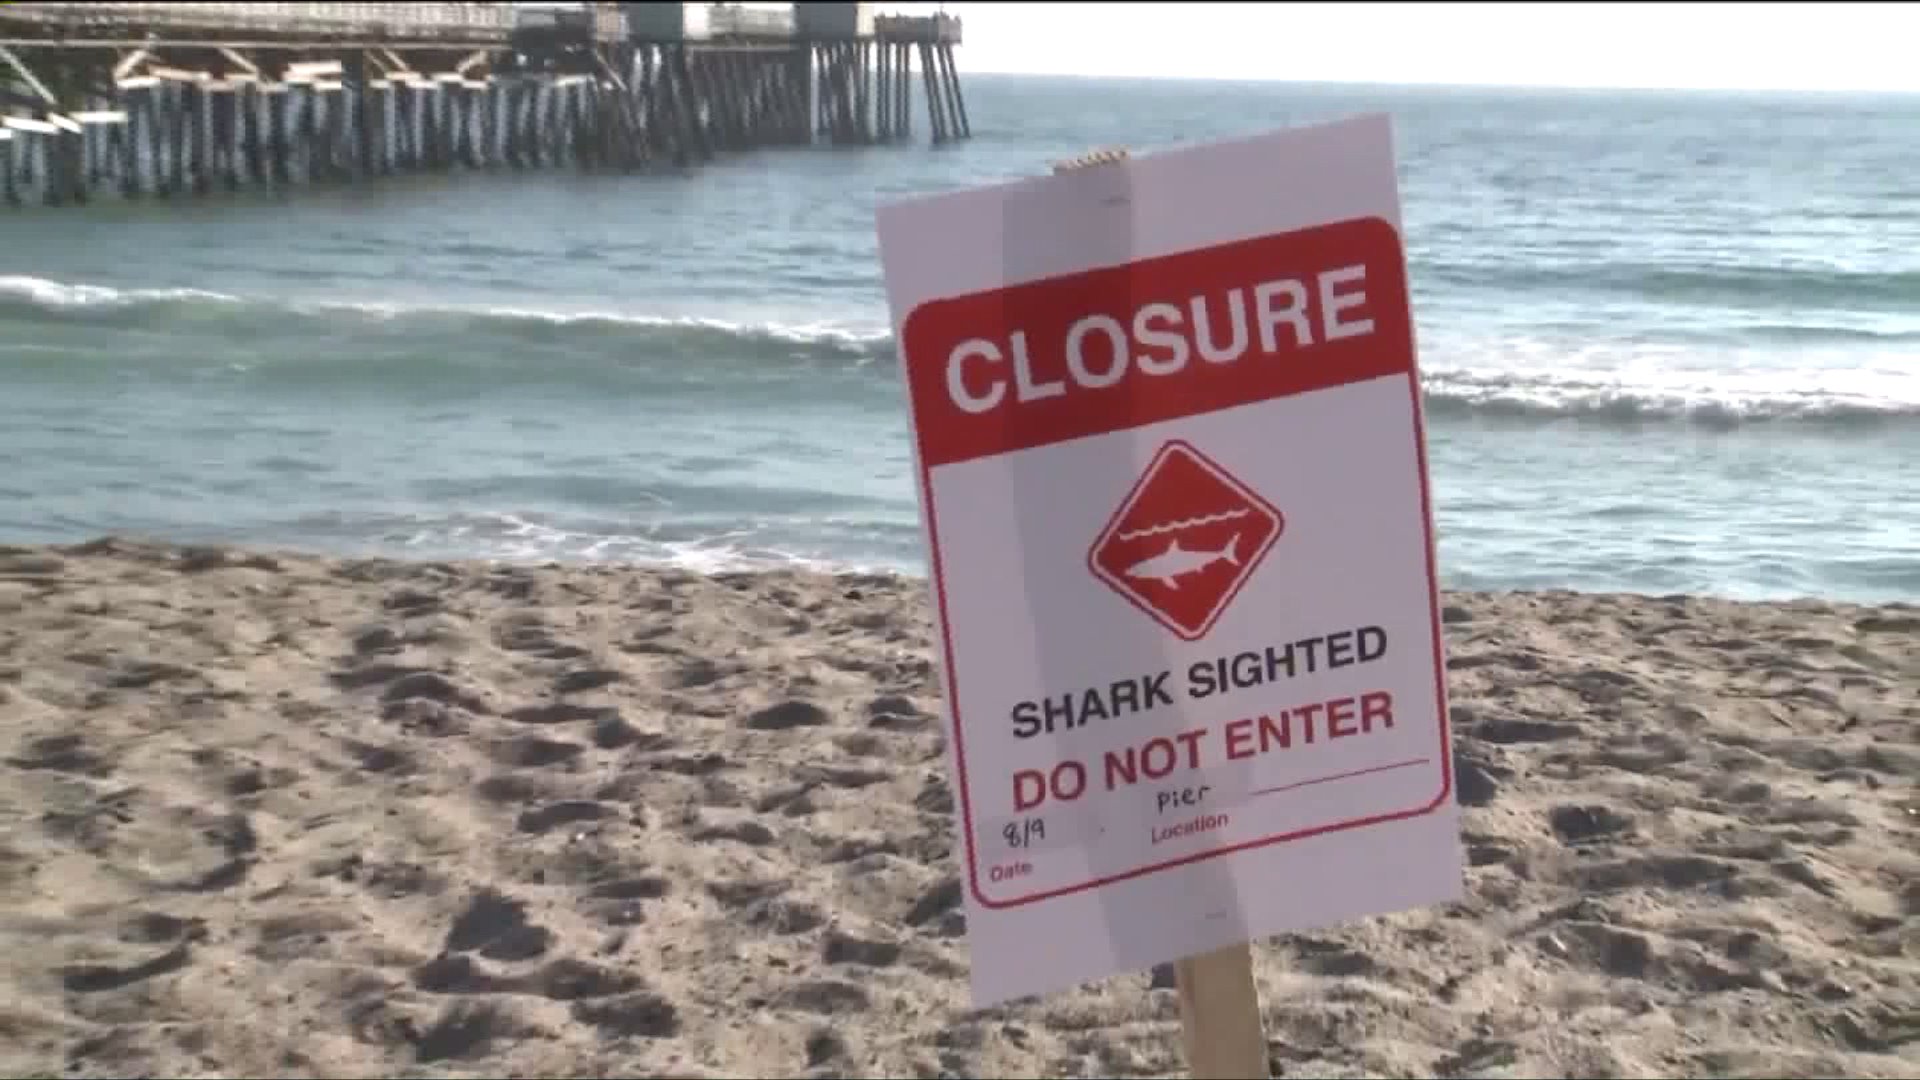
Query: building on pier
176, 98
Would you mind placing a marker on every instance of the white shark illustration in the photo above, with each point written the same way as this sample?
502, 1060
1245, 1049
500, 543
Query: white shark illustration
1176, 562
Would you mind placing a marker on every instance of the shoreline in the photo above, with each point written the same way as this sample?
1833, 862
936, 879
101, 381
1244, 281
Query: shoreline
270, 813
213, 552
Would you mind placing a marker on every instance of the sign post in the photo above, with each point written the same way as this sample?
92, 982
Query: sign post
1172, 473
1220, 1015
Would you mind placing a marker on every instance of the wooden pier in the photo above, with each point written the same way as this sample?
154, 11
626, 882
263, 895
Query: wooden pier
171, 99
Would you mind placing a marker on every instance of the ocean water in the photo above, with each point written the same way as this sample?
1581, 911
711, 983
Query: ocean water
1671, 344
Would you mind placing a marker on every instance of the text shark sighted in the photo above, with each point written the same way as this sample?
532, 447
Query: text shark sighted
1204, 679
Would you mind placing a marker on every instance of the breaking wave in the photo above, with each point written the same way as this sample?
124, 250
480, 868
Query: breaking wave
55, 330
1800, 401
486, 334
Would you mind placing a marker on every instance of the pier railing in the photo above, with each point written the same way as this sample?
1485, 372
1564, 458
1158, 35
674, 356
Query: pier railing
424, 20
938, 29
728, 20
466, 22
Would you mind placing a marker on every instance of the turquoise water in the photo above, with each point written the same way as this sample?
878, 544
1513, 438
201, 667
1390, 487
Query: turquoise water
1671, 343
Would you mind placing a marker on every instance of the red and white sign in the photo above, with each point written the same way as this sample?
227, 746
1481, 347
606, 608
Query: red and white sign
1185, 540
1166, 415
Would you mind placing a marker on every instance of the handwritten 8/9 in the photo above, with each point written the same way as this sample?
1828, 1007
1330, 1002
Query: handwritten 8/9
1023, 833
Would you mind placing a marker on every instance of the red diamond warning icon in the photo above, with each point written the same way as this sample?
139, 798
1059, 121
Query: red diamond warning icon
1185, 540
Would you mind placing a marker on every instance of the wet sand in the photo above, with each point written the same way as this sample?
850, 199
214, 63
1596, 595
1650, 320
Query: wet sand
269, 814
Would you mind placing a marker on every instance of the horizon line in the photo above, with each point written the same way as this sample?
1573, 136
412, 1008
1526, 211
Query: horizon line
1458, 85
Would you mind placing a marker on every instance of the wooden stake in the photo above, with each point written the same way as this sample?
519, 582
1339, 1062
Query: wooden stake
1220, 1015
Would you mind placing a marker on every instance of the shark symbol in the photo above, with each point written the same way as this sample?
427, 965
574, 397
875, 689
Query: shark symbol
1176, 562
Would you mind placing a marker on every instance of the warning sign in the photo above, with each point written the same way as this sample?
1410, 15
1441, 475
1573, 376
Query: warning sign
1188, 536
1166, 416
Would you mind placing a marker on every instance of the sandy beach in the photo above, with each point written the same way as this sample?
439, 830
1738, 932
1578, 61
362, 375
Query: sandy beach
271, 814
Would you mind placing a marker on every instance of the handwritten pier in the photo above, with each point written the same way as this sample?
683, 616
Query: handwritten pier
174, 99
